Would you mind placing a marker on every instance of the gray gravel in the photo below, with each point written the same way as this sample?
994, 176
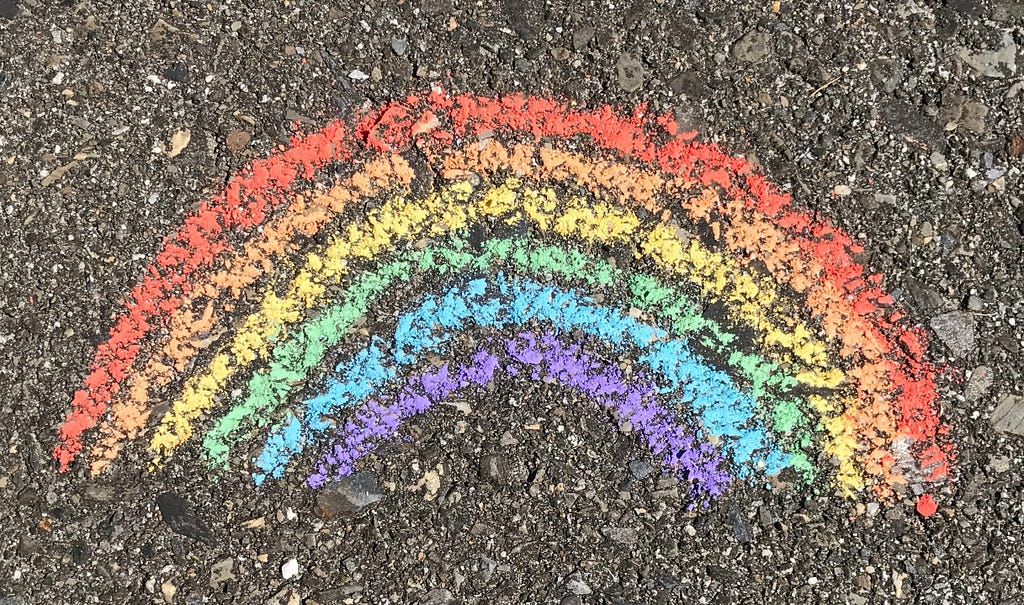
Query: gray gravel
845, 104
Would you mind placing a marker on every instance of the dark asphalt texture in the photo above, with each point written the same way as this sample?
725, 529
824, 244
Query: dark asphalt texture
887, 98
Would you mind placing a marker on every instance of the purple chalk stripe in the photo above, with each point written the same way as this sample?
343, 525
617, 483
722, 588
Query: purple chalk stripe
696, 463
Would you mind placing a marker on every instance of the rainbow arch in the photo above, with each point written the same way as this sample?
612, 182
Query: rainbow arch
515, 303
292, 361
820, 359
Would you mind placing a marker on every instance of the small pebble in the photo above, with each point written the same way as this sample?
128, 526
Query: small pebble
177, 72
753, 47
578, 587
1009, 415
168, 590
290, 569
630, 73
978, 384
641, 469
349, 496
494, 468
399, 46
222, 572
237, 141
999, 464
740, 527
621, 535
956, 331
582, 36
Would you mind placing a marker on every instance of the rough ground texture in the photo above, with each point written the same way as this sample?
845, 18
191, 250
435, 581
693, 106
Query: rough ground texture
895, 119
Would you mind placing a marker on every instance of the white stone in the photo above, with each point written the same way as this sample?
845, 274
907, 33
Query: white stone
290, 569
842, 190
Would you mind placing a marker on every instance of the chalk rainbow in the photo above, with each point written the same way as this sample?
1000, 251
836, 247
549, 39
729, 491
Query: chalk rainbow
567, 236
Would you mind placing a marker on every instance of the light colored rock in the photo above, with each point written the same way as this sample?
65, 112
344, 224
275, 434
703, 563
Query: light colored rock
999, 464
487, 568
222, 572
753, 47
438, 596
430, 482
1009, 415
578, 587
179, 141
956, 331
399, 46
168, 590
978, 384
290, 569
998, 63
630, 73
621, 535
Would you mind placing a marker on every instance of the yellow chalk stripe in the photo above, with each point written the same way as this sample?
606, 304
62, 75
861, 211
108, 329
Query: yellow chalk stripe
842, 444
752, 300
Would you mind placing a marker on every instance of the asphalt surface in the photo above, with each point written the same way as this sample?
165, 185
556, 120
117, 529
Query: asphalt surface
896, 120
